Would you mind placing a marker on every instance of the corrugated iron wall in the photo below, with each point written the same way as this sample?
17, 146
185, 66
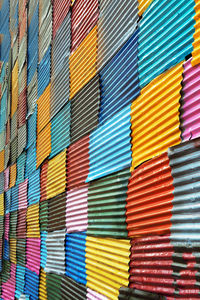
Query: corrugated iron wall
99, 149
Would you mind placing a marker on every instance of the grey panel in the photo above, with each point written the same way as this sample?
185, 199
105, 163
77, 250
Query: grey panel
21, 139
32, 95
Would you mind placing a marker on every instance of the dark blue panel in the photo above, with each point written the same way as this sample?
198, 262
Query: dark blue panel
31, 284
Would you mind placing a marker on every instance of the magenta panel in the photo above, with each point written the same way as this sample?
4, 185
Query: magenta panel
33, 254
8, 288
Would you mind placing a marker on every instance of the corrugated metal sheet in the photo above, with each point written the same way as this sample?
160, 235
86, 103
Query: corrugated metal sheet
21, 164
78, 163
60, 10
21, 252
110, 147
1, 182
54, 286
23, 194
56, 175
106, 205
33, 254
21, 143
92, 295
8, 288
75, 256
20, 281
43, 144
43, 181
15, 88
31, 284
6, 156
13, 151
56, 213
21, 224
44, 72
7, 201
33, 227
2, 161
196, 43
77, 209
32, 129
107, 265
6, 179
143, 4
165, 37
13, 245
85, 109
31, 159
42, 287
43, 109
184, 161
14, 198
22, 106
13, 175
190, 116
60, 130
155, 116
70, 289
83, 63
22, 53
43, 249
134, 294
84, 17
117, 21
120, 79
22, 77
13, 122
150, 197
55, 252
34, 187
32, 94
44, 215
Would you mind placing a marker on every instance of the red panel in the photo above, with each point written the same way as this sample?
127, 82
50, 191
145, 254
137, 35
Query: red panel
150, 195
78, 163
60, 10
85, 15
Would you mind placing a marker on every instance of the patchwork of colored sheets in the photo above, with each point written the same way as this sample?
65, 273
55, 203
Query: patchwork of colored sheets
99, 149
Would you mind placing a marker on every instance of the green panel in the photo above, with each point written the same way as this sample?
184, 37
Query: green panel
21, 252
54, 286
44, 215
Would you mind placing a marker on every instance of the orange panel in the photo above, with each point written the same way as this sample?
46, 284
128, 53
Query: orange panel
13, 175
43, 112
43, 144
196, 44
2, 154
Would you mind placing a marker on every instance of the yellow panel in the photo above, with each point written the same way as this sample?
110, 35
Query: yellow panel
155, 116
2, 204
43, 144
143, 4
56, 175
196, 44
2, 154
14, 101
43, 112
107, 265
83, 62
13, 175
33, 228
13, 247
42, 287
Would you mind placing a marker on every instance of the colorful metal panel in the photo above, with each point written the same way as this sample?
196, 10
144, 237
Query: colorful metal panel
196, 47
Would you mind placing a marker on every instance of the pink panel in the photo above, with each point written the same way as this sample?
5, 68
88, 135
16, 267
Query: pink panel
6, 179
77, 209
33, 255
23, 194
190, 113
92, 295
6, 231
8, 288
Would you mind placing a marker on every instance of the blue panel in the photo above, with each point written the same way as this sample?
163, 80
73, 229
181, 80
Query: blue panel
165, 37
20, 281
6, 253
60, 130
31, 284
31, 160
32, 129
7, 200
44, 72
21, 164
14, 198
120, 80
75, 256
34, 25
43, 254
34, 187
110, 146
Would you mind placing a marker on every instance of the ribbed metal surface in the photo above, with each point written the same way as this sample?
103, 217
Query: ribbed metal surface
31, 284
34, 187
77, 209
23, 194
196, 47
6, 179
13, 130
150, 197
43, 105
54, 286
20, 281
33, 254
166, 37
56, 175
60, 89
92, 295
70, 289
14, 198
85, 109
107, 265
143, 4
13, 151
56, 212
190, 116
1, 182
21, 163
84, 17
22, 53
42, 287
117, 21
83, 63
44, 72
33, 227
55, 252
13, 175
75, 256
2, 140
21, 252
21, 140
22, 106
22, 79
43, 180
43, 144
134, 294
60, 10
110, 147
13, 225
32, 129
60, 130
78, 163
43, 249
155, 116
21, 224
32, 94
44, 215
120, 79
106, 205
8, 288
31, 159
184, 162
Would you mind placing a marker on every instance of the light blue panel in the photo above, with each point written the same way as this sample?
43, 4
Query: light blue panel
20, 281
43, 254
44, 72
21, 164
165, 37
110, 146
31, 160
7, 200
34, 187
